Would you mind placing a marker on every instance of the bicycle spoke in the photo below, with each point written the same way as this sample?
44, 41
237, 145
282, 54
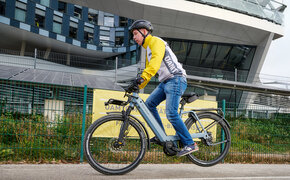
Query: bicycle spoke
110, 156
215, 147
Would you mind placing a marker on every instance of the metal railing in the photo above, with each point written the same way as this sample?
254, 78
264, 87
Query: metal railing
115, 69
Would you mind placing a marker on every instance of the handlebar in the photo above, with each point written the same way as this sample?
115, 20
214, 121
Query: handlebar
133, 87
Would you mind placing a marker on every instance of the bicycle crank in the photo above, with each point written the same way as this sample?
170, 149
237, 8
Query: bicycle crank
169, 148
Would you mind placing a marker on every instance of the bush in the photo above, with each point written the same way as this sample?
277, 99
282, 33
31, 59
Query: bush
32, 138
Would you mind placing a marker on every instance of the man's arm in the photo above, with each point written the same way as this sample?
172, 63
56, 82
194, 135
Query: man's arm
157, 47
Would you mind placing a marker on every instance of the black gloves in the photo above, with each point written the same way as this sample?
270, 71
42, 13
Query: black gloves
139, 80
134, 87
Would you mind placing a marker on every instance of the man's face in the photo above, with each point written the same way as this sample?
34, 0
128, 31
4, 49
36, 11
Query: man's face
137, 36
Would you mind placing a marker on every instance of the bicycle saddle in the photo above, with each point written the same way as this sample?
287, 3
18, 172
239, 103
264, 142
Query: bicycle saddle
189, 97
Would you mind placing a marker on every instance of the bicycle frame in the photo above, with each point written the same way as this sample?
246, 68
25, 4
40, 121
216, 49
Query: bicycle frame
154, 125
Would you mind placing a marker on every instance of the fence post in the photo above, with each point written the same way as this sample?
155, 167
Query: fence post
116, 69
84, 123
35, 56
222, 132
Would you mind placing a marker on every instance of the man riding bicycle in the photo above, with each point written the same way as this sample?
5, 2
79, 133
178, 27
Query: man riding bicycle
161, 60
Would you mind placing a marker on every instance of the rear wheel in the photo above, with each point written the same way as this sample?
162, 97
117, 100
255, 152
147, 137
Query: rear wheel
216, 146
108, 156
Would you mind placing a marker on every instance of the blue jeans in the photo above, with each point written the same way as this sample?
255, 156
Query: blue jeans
170, 90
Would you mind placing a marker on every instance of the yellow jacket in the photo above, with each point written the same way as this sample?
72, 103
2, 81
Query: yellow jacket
161, 60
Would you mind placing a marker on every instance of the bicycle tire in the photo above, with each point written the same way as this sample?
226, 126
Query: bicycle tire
101, 153
210, 155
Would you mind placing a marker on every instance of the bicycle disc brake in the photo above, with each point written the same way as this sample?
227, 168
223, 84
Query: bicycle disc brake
115, 145
169, 148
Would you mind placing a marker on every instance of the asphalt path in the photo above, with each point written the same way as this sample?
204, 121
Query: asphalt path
147, 171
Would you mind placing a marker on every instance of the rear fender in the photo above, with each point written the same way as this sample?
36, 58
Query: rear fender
216, 114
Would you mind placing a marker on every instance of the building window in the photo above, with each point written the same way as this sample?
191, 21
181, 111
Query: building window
123, 22
56, 25
89, 35
45, 2
133, 57
73, 29
119, 38
105, 36
61, 6
105, 33
119, 41
39, 18
20, 11
78, 12
2, 7
93, 16
109, 21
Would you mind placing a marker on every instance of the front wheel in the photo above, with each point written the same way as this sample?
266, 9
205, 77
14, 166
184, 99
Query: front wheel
106, 154
213, 149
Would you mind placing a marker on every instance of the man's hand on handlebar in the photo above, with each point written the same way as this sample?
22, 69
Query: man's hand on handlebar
139, 80
134, 87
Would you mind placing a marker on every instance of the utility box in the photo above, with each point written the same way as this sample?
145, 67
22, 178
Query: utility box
53, 109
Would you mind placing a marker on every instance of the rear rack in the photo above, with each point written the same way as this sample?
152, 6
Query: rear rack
218, 110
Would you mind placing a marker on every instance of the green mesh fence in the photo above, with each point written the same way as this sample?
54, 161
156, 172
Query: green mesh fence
260, 134
42, 123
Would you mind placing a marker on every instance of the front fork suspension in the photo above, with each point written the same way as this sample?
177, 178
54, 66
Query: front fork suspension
124, 127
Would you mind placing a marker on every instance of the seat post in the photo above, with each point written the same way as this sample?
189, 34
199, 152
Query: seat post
182, 102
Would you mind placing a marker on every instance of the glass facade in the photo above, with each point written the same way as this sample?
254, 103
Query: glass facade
271, 10
214, 60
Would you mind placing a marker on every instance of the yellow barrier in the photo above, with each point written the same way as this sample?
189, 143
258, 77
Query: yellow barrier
102, 96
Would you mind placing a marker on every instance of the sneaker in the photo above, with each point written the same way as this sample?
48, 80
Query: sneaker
155, 140
188, 149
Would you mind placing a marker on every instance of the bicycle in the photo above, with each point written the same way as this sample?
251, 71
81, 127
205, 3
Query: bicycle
116, 143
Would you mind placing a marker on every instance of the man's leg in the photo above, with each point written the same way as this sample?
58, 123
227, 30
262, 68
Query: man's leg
155, 98
174, 90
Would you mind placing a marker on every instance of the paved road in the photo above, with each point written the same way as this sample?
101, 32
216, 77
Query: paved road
147, 171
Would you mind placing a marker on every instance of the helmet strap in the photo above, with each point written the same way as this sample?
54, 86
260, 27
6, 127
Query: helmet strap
144, 36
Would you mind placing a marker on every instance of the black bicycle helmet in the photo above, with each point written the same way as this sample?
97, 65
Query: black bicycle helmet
140, 24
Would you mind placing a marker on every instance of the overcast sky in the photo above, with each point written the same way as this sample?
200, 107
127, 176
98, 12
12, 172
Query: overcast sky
277, 62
